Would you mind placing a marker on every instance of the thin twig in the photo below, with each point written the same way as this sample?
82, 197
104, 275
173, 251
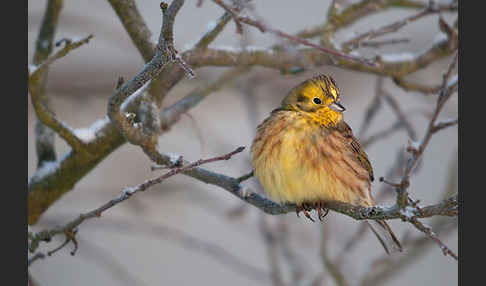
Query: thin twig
447, 89
126, 194
427, 230
382, 134
210, 35
233, 13
387, 266
263, 28
391, 28
444, 124
372, 108
171, 114
68, 47
402, 118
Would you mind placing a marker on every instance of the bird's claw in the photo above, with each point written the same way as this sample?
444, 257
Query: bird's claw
320, 208
304, 208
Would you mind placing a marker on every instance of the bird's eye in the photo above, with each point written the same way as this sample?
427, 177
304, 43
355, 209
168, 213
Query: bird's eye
317, 100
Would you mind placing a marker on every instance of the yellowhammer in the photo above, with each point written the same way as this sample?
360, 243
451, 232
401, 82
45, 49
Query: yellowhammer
304, 153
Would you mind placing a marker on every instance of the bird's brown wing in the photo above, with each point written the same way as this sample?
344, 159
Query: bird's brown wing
361, 157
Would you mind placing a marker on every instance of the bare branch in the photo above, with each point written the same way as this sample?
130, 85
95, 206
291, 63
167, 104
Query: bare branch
413, 86
427, 230
263, 28
35, 72
400, 114
164, 53
45, 136
382, 134
391, 28
69, 228
372, 108
444, 124
43, 112
309, 58
445, 93
385, 267
233, 13
135, 26
210, 35
171, 114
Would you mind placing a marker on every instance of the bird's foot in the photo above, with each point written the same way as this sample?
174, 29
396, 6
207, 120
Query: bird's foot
304, 208
321, 210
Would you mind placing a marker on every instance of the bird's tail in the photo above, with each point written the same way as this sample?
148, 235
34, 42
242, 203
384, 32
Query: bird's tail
385, 235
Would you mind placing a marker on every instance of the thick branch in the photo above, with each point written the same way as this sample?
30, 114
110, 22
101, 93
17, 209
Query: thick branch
306, 59
164, 53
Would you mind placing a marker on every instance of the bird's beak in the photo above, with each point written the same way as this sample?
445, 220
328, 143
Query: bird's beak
336, 106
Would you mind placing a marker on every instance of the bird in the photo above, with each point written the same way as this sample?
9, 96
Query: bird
304, 153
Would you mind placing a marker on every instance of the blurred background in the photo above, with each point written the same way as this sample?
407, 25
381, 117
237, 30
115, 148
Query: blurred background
185, 232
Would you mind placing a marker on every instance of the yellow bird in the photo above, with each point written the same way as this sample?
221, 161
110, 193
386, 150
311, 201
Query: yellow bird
304, 153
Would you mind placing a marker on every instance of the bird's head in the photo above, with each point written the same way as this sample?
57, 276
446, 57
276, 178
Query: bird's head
318, 96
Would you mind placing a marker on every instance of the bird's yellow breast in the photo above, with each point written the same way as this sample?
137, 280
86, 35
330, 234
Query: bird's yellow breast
297, 160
